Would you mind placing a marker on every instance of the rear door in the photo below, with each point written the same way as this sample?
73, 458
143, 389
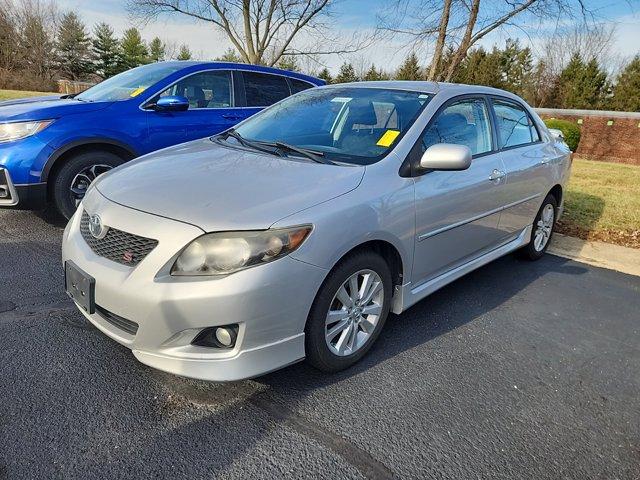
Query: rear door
526, 162
211, 109
458, 213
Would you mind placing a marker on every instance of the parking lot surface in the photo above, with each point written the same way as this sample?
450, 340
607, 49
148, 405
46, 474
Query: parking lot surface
519, 370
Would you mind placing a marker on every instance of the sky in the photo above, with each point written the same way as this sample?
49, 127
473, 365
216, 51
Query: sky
359, 17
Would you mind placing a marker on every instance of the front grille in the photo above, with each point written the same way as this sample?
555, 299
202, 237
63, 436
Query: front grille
117, 321
121, 247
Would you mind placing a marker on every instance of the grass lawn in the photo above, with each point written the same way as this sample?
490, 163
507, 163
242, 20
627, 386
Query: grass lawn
11, 94
603, 203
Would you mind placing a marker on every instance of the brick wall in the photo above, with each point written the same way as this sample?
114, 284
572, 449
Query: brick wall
608, 136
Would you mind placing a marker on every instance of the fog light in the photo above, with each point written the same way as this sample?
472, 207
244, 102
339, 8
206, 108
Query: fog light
217, 337
4, 193
224, 336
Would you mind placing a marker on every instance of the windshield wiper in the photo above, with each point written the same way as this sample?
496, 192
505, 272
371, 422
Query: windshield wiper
247, 143
314, 155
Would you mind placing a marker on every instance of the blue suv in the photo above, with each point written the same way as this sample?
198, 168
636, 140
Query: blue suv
51, 148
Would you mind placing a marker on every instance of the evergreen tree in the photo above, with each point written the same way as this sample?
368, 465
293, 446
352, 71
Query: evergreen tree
582, 85
106, 51
288, 63
410, 69
134, 50
157, 50
184, 54
346, 74
373, 74
517, 68
325, 75
626, 93
73, 48
481, 68
230, 55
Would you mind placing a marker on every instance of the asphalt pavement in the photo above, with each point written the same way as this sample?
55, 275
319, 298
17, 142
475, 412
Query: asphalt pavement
518, 370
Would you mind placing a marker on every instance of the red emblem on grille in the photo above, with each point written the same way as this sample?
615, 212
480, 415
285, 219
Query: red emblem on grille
127, 257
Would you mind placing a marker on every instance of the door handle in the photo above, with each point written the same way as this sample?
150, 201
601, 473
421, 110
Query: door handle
231, 116
497, 175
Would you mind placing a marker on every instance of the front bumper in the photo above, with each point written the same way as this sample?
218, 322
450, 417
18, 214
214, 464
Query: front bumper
25, 197
270, 303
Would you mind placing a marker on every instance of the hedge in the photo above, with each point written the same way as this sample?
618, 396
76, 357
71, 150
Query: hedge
570, 130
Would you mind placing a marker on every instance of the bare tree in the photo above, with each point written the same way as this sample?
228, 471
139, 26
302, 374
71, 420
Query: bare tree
262, 31
457, 25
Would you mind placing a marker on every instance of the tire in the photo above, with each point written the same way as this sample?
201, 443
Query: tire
534, 249
367, 327
89, 165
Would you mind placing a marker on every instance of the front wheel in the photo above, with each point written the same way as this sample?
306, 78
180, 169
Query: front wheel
76, 174
349, 312
542, 229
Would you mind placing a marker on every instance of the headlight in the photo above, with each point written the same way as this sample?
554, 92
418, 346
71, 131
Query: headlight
10, 132
227, 252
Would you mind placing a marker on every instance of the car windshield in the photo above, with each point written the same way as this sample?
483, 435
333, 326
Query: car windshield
128, 84
356, 125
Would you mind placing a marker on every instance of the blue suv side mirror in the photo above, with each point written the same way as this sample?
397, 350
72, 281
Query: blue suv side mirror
172, 103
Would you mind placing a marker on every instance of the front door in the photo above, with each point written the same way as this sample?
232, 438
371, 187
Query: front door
211, 110
458, 213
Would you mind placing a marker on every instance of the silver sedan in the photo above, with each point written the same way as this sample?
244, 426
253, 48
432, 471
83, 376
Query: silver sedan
295, 234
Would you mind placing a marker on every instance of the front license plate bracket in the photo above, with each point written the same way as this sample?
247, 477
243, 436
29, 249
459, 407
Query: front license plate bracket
80, 287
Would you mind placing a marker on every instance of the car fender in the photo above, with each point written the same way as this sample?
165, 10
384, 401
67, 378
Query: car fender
80, 142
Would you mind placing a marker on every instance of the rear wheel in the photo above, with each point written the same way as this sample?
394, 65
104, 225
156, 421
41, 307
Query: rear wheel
542, 229
349, 312
76, 174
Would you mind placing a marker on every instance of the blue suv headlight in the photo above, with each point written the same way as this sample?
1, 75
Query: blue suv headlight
13, 131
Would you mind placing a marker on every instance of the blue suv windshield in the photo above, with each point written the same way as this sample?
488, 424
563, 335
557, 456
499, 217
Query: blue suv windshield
128, 84
346, 124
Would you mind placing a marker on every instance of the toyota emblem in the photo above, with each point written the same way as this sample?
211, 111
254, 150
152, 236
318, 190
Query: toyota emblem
96, 228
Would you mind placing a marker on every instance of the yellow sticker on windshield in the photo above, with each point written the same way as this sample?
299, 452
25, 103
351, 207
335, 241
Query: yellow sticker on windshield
137, 92
387, 138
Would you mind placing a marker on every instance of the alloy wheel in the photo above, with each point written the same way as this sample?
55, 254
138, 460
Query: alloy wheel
354, 313
82, 180
544, 227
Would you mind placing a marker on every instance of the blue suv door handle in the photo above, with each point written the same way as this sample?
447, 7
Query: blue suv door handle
232, 116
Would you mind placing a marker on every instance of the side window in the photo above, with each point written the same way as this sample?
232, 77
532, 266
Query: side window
514, 125
298, 85
463, 123
263, 90
204, 89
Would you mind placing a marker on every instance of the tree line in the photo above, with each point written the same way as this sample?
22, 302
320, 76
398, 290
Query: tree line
39, 46
580, 84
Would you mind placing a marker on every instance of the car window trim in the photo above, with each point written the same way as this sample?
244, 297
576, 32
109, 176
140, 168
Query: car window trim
410, 169
511, 101
232, 91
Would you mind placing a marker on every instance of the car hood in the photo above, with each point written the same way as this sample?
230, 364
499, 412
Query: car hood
220, 188
45, 108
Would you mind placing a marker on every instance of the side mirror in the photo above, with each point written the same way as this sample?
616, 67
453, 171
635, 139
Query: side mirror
557, 134
446, 156
172, 103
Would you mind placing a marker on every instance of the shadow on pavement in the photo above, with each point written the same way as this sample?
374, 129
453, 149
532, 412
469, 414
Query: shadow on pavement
278, 394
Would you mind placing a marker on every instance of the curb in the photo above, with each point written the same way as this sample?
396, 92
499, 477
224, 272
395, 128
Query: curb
599, 254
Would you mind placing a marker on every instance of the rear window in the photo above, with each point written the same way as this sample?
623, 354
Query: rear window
263, 90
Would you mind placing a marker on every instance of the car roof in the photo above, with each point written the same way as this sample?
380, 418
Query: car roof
197, 65
427, 87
